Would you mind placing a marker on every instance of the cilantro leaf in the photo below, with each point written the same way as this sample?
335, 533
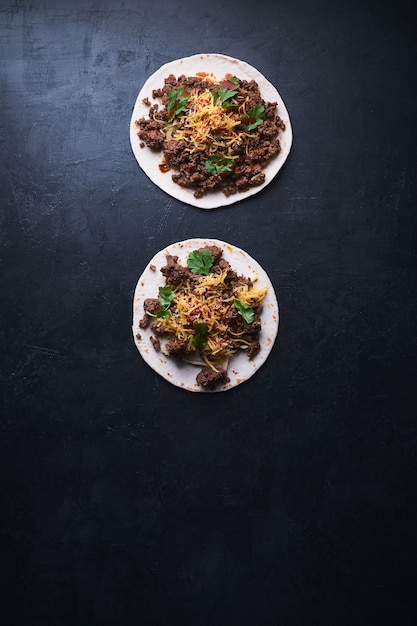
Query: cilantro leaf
200, 262
254, 118
166, 296
176, 103
226, 94
163, 314
245, 311
199, 341
217, 164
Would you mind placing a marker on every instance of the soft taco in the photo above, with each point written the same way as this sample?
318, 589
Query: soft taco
205, 315
210, 130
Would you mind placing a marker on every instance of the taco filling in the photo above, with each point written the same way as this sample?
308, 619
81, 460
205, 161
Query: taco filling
214, 135
205, 313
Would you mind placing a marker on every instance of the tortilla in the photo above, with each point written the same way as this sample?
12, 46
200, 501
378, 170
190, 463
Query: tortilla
218, 65
181, 374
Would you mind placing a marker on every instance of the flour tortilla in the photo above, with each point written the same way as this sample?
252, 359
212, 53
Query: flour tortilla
218, 65
240, 368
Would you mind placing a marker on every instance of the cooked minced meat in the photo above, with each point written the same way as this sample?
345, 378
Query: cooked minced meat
151, 305
174, 272
203, 318
156, 343
176, 348
231, 158
209, 378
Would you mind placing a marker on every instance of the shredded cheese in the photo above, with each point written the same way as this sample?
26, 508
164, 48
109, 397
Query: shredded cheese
249, 295
207, 126
209, 301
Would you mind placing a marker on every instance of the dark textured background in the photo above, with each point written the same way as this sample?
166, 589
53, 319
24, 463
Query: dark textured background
290, 500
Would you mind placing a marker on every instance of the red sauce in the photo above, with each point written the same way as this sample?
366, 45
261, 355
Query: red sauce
164, 167
207, 76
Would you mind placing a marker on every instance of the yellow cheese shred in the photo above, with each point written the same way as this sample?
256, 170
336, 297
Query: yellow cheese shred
207, 126
210, 302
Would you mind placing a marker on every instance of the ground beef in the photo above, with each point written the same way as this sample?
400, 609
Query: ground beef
151, 305
175, 155
232, 277
176, 348
174, 272
249, 159
157, 328
215, 251
156, 343
209, 378
144, 322
247, 332
253, 348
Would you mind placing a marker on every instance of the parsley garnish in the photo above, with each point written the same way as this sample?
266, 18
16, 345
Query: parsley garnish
245, 311
176, 103
254, 118
224, 93
200, 336
218, 163
166, 296
200, 262
163, 314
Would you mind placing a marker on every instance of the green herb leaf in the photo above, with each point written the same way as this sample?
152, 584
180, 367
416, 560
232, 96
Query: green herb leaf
176, 104
217, 164
199, 341
163, 313
245, 311
200, 262
254, 118
166, 296
226, 94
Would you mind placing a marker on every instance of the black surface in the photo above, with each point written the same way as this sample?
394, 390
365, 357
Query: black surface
289, 500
